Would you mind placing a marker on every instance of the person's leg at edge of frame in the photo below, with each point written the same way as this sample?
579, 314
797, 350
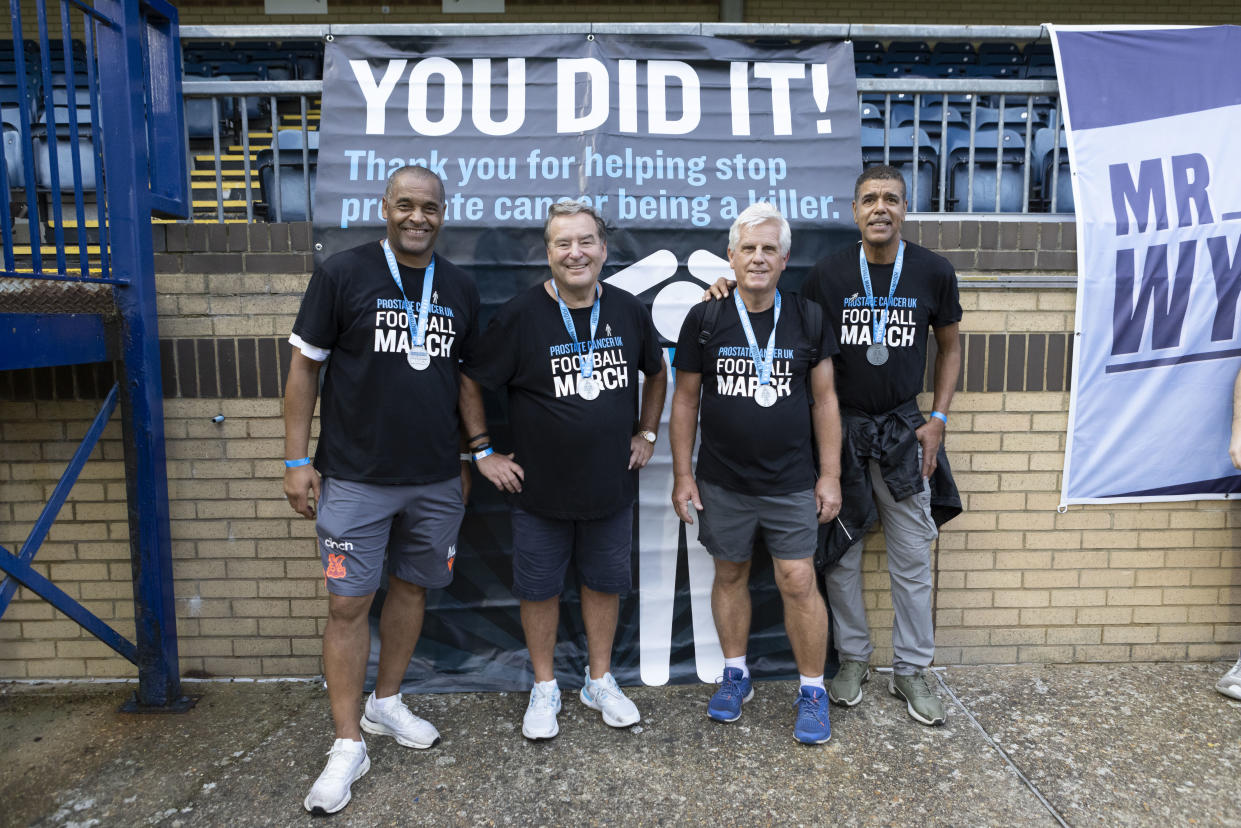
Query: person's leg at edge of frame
909, 532
805, 621
730, 605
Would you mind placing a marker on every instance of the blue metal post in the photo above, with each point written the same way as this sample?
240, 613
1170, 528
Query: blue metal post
126, 159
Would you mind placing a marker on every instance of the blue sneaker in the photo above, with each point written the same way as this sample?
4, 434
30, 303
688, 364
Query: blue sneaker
735, 690
812, 726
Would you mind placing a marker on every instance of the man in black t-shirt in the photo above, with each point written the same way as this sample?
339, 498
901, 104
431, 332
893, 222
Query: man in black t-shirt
569, 351
764, 376
880, 298
391, 320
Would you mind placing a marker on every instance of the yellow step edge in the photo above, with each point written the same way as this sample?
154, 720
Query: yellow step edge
90, 271
48, 250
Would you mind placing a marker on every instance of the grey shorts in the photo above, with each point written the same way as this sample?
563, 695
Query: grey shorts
415, 525
729, 523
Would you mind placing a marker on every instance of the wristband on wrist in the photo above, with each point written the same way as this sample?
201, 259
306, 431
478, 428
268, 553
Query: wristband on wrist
465, 457
483, 452
479, 437
941, 416
293, 464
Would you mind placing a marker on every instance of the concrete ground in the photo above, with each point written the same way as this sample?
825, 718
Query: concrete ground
1145, 744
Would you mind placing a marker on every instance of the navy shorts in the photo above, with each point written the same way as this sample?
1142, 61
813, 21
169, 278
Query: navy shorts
729, 523
416, 526
542, 548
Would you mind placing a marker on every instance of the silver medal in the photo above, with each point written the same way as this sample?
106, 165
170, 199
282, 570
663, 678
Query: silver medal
587, 388
418, 358
765, 396
877, 354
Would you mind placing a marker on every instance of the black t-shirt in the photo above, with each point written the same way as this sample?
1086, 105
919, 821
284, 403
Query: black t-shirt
925, 296
382, 421
744, 447
574, 452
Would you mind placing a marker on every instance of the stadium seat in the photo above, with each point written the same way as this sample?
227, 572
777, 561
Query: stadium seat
901, 155
292, 189
200, 114
65, 148
1042, 158
291, 139
13, 156
986, 169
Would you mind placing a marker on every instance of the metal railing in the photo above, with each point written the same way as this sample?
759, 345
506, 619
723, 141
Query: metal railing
969, 174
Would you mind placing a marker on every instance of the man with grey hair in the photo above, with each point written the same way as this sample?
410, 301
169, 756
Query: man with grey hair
762, 369
569, 350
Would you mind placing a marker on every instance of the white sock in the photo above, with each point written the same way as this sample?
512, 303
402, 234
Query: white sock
738, 663
813, 681
350, 744
546, 686
386, 701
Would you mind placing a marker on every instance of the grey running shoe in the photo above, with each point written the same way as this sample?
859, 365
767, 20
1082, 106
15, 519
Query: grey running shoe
1230, 684
846, 686
923, 705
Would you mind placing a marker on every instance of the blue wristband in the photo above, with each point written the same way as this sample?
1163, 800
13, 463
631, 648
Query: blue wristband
941, 416
487, 452
293, 464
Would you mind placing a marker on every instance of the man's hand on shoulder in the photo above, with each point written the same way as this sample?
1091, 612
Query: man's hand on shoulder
720, 289
931, 436
301, 486
503, 472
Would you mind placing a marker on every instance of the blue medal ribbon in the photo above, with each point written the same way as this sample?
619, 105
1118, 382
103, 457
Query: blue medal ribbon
588, 362
879, 323
762, 361
424, 309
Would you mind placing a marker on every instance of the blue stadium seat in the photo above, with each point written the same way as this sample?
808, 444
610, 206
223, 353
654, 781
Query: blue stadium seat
954, 59
13, 156
871, 114
1042, 158
908, 47
867, 47
986, 169
901, 155
291, 139
292, 192
200, 115
65, 148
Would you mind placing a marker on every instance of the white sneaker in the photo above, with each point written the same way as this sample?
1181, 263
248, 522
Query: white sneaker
1230, 684
603, 695
394, 719
347, 762
540, 719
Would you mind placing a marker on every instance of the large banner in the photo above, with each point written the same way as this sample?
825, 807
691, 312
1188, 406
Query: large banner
1152, 118
670, 137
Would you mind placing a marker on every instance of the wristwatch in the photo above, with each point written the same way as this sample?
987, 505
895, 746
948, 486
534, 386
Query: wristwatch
649, 436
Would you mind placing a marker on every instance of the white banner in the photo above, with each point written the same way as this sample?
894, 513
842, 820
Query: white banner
1152, 116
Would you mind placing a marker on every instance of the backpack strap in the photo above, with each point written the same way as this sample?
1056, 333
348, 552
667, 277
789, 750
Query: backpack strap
710, 318
811, 324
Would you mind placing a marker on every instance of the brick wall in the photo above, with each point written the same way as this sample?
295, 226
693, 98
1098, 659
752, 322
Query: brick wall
972, 12
1016, 582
